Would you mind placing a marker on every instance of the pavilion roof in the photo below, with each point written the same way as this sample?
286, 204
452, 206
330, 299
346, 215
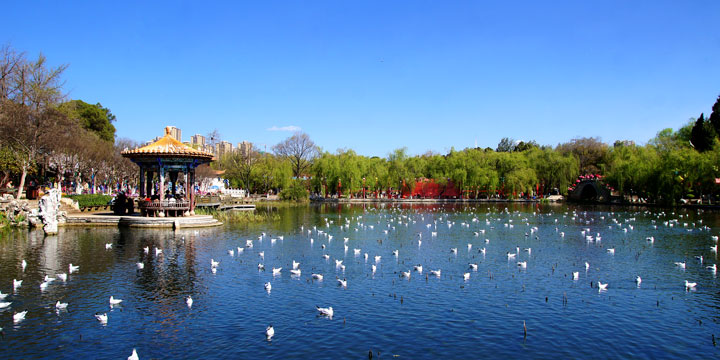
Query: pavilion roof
167, 146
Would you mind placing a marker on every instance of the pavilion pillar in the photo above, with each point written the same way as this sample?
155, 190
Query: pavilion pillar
142, 182
192, 191
149, 183
161, 175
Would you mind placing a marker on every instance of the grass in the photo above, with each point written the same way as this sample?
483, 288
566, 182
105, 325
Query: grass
238, 216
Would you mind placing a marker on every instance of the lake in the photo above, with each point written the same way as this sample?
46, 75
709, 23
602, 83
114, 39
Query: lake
502, 310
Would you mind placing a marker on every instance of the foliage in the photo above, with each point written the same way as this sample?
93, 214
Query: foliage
94, 118
295, 192
91, 199
590, 152
702, 135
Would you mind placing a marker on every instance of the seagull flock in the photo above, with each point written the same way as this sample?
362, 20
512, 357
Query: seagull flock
482, 228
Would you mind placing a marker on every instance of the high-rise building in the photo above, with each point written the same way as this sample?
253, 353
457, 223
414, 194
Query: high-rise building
222, 148
198, 140
176, 133
244, 148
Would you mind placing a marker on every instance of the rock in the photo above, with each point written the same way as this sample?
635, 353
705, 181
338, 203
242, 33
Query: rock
49, 206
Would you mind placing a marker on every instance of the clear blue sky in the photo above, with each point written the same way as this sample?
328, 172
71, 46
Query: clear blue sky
377, 75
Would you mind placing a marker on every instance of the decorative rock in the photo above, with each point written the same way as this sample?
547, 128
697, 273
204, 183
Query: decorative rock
49, 206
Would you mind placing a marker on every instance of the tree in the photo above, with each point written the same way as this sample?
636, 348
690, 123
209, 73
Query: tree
506, 145
702, 135
239, 167
299, 150
29, 122
95, 118
590, 152
715, 116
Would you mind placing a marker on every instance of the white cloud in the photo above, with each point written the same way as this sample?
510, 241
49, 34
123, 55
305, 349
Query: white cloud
292, 128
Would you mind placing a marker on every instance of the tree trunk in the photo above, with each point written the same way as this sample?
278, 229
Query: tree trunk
22, 182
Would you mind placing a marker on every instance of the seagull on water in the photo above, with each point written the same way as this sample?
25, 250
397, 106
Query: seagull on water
261, 267
61, 306
295, 264
690, 285
587, 266
140, 265
269, 332
114, 301
318, 277
102, 318
342, 282
134, 355
17, 284
473, 267
268, 286
377, 258
602, 287
611, 251
158, 252
576, 275
435, 272
328, 311
4, 304
680, 264
72, 269
108, 246
146, 249
522, 264
20, 316
638, 280
276, 271
466, 276
418, 268
296, 272
23, 264
453, 250
214, 263
189, 301
405, 274
373, 267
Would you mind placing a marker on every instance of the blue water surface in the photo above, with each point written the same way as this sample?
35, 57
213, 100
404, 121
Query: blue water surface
423, 317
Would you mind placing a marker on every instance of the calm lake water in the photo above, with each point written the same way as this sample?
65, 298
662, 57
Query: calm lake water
423, 317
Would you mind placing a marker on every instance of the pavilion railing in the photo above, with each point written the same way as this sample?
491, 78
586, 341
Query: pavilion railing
153, 207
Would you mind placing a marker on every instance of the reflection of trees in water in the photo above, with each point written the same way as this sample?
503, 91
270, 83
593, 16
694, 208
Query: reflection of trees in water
171, 275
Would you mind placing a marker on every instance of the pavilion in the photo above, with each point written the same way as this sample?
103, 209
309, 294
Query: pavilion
167, 158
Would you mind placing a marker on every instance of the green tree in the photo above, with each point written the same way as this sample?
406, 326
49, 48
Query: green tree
95, 118
702, 135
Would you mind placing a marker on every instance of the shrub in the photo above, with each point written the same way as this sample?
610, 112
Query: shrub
295, 192
91, 199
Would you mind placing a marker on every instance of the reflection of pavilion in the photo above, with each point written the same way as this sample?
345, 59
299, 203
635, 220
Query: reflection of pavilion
165, 160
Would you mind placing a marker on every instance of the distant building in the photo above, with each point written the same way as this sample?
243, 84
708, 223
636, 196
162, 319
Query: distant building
222, 148
176, 133
244, 148
198, 140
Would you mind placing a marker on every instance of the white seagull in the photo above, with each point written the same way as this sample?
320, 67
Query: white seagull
102, 318
328, 311
20, 316
268, 286
61, 306
576, 275
189, 301
602, 287
435, 272
17, 284
269, 332
318, 277
114, 301
690, 285
466, 276
62, 276
276, 271
134, 355
72, 269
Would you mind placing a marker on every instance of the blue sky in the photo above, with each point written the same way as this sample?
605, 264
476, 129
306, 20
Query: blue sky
377, 75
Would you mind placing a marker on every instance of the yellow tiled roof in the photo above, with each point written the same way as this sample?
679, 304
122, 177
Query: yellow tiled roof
167, 146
